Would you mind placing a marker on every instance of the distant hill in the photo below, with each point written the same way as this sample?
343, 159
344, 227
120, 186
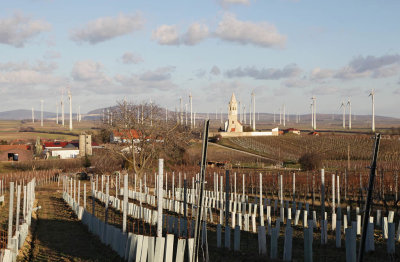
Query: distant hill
23, 114
334, 119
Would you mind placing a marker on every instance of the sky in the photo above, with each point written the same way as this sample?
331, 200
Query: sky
286, 51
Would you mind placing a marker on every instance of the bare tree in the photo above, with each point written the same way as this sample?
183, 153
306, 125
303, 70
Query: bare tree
143, 134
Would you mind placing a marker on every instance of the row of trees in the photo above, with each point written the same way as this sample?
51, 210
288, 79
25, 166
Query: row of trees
147, 135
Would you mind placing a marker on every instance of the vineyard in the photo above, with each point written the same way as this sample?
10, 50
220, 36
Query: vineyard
331, 147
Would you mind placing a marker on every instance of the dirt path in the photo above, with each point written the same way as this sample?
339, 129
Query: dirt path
57, 235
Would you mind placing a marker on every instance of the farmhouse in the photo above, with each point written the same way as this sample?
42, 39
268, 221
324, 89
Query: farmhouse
70, 149
124, 136
15, 152
291, 131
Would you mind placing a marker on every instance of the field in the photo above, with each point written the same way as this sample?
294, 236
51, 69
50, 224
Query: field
20, 130
332, 148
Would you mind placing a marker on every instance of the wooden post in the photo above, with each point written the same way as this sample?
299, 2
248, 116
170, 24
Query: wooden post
10, 214
160, 197
125, 208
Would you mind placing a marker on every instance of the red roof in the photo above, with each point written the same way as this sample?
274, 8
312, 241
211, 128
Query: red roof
11, 147
126, 134
55, 144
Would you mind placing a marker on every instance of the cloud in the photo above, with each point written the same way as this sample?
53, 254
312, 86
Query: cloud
130, 58
226, 3
18, 29
260, 34
160, 74
27, 79
229, 29
215, 71
106, 28
288, 71
166, 35
294, 83
40, 66
318, 73
158, 79
169, 34
370, 66
335, 90
90, 73
195, 34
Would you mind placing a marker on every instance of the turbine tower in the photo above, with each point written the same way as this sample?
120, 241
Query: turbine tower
274, 116
41, 113
254, 110
314, 99
344, 114
240, 113
70, 109
244, 114
349, 105
33, 115
372, 95
151, 113
62, 106
191, 110
312, 115
181, 109
186, 115
284, 115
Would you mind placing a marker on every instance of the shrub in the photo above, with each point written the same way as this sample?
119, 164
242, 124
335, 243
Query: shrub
310, 161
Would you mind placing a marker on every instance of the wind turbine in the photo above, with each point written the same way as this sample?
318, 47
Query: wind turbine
191, 110
349, 105
62, 106
274, 115
284, 115
78, 117
312, 115
181, 109
41, 113
314, 99
240, 113
244, 114
70, 109
372, 95
344, 114
151, 112
254, 110
186, 115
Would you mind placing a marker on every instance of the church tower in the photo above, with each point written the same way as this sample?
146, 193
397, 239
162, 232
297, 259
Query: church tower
233, 124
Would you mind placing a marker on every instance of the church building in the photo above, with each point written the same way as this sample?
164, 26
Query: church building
233, 123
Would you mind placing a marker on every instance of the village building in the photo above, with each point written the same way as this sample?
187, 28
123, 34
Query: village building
15, 152
292, 131
125, 136
233, 124
234, 128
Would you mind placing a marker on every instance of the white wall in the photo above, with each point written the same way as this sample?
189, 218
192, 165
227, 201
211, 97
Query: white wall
65, 154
